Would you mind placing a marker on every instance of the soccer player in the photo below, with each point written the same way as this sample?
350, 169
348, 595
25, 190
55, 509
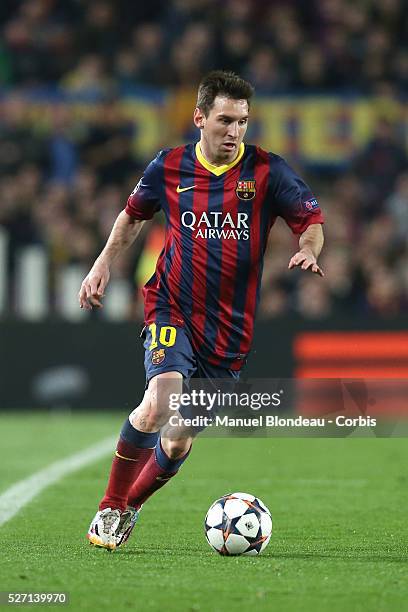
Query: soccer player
220, 198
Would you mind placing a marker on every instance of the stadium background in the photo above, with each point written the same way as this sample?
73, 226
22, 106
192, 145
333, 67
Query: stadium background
91, 90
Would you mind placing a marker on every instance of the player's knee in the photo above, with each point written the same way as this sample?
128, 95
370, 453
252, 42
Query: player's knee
176, 448
161, 389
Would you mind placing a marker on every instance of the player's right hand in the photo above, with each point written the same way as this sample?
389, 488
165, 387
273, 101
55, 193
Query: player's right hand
93, 286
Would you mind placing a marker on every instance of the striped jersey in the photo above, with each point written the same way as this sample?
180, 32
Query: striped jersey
218, 218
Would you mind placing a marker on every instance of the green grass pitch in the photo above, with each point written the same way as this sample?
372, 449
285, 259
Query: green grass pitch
339, 508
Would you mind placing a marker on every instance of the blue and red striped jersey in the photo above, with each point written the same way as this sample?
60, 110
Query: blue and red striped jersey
218, 218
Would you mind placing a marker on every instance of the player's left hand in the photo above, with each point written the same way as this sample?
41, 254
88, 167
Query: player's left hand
306, 261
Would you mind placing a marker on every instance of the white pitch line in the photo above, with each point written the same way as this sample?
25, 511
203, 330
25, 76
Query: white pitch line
22, 492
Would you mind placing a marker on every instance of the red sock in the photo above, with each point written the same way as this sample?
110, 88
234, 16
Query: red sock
127, 464
154, 476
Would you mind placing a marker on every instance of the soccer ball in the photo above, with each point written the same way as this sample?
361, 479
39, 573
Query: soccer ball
238, 524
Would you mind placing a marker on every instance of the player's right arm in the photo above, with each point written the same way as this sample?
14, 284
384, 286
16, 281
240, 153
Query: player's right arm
123, 234
142, 204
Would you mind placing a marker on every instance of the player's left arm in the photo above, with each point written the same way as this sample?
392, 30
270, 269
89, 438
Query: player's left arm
310, 244
295, 203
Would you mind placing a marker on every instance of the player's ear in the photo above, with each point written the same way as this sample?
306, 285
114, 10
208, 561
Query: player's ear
198, 118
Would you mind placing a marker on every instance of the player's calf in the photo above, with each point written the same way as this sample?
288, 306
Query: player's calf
175, 447
138, 438
158, 471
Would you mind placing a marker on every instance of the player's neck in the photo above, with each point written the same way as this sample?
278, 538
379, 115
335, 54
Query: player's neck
214, 162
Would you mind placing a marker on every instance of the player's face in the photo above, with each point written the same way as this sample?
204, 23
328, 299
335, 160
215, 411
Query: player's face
223, 130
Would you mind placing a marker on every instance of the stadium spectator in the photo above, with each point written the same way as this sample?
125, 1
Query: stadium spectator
38, 38
89, 78
62, 148
397, 206
99, 33
19, 144
378, 166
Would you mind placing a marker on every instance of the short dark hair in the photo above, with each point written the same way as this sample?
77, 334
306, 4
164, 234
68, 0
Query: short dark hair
222, 83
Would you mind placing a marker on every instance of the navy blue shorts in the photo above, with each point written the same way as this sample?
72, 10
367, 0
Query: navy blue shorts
168, 349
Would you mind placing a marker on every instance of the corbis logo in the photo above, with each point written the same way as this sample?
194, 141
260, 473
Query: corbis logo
245, 190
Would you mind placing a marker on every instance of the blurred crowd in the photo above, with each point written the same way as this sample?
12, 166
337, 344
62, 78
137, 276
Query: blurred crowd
280, 45
63, 188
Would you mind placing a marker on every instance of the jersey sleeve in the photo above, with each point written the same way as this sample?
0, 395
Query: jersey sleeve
292, 198
144, 201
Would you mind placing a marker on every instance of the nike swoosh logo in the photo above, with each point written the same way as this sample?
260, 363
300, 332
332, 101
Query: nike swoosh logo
127, 458
181, 189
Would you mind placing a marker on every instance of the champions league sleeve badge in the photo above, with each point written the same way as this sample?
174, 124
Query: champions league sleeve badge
311, 204
245, 190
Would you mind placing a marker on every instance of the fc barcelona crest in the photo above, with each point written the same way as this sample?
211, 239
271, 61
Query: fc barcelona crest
246, 190
158, 356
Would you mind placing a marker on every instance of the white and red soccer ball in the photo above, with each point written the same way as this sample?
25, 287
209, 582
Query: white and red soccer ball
238, 524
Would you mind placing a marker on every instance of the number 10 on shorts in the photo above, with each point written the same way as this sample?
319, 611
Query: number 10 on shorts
167, 336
